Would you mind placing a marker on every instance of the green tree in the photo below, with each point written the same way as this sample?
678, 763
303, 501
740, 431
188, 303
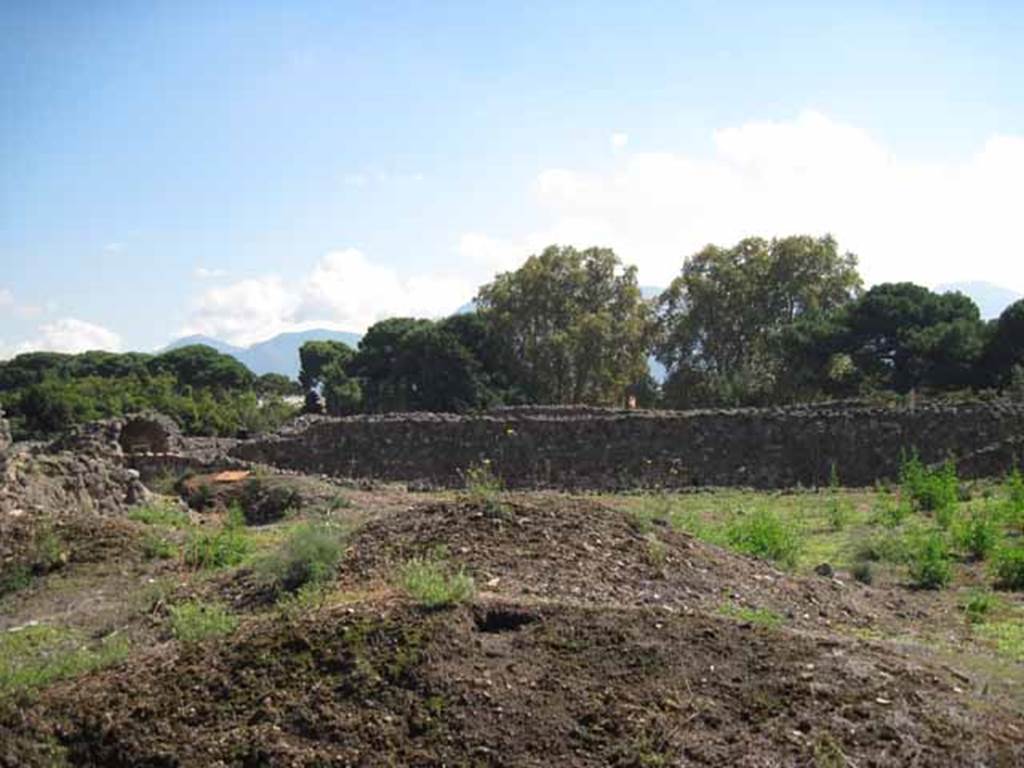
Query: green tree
201, 366
379, 363
316, 356
342, 393
1004, 353
897, 336
277, 384
571, 325
721, 320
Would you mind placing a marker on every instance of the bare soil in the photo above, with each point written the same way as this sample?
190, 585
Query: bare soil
592, 642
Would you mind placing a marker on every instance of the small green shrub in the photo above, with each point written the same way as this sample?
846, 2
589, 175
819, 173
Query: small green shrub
194, 621
936, 491
979, 533
36, 656
158, 513
930, 567
764, 533
483, 487
309, 555
863, 572
431, 582
220, 549
1008, 567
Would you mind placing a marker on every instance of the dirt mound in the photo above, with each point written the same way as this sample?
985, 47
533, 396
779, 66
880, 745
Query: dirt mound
578, 550
514, 685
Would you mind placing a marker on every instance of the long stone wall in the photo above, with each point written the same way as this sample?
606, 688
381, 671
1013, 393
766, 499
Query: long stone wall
588, 448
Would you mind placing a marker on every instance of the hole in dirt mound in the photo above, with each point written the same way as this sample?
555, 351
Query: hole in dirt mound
494, 620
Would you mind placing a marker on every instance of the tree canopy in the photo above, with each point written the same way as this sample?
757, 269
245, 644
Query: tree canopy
720, 320
570, 326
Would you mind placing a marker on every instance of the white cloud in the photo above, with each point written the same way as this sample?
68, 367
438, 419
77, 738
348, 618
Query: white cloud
907, 220
69, 334
619, 140
6, 299
206, 273
344, 291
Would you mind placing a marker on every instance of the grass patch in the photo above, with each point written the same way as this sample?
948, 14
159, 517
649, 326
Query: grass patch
220, 549
1007, 636
979, 605
432, 582
309, 555
762, 617
161, 514
156, 547
195, 621
37, 656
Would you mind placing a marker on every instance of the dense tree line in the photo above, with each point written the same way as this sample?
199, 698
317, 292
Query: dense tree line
206, 392
762, 322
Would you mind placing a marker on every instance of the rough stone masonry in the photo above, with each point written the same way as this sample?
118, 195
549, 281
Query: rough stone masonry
588, 448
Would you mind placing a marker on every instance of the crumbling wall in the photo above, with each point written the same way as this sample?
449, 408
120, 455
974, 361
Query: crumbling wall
587, 448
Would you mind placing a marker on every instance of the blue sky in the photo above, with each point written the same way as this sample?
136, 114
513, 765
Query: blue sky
244, 168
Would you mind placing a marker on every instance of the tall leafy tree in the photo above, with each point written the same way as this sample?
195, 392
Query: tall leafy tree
316, 356
720, 321
571, 326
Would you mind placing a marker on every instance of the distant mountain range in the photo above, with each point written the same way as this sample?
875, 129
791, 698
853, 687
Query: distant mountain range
991, 299
279, 354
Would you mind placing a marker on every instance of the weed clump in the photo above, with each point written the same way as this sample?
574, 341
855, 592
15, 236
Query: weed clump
838, 510
309, 555
432, 582
978, 605
1008, 567
159, 514
484, 488
221, 549
936, 491
156, 547
764, 533
195, 621
929, 566
978, 534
